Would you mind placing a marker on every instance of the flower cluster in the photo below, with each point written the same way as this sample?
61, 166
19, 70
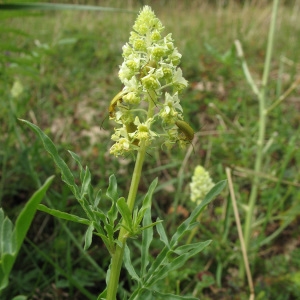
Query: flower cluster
152, 83
201, 184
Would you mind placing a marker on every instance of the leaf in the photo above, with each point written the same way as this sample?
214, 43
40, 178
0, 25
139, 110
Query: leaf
192, 247
185, 226
110, 231
147, 237
213, 193
112, 194
86, 183
6, 236
147, 200
125, 213
176, 262
163, 271
97, 199
17, 237
167, 296
63, 215
25, 218
67, 175
77, 159
102, 296
20, 297
162, 234
112, 190
128, 264
88, 237
150, 225
1, 226
158, 262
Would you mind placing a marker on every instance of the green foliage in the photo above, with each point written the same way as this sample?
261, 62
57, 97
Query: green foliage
85, 196
67, 63
171, 257
12, 237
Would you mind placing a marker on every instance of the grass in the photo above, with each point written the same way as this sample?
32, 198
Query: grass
67, 63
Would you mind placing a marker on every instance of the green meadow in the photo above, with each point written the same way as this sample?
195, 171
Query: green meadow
59, 70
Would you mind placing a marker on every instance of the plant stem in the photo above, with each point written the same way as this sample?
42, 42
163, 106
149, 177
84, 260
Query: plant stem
262, 127
117, 258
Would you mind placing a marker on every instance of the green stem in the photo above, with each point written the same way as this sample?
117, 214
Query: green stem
117, 258
262, 128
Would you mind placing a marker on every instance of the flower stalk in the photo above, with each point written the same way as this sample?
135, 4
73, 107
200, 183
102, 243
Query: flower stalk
146, 110
117, 257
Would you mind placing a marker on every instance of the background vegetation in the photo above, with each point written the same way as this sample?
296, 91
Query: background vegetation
67, 64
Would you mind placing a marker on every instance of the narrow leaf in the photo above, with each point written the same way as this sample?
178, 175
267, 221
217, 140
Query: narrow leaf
147, 237
22, 225
1, 226
67, 175
185, 226
25, 218
158, 262
163, 271
77, 159
148, 198
192, 247
213, 193
165, 296
176, 263
125, 212
112, 191
128, 264
88, 237
86, 182
6, 237
20, 297
162, 234
63, 215
97, 199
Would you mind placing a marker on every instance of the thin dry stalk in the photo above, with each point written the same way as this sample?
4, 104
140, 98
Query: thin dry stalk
240, 232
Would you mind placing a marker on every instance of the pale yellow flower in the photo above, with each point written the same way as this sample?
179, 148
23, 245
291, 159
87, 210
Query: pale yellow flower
201, 184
